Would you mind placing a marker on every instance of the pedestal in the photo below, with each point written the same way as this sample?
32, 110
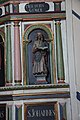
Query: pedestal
41, 79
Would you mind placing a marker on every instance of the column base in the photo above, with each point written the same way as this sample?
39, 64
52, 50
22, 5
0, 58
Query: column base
61, 81
17, 82
9, 84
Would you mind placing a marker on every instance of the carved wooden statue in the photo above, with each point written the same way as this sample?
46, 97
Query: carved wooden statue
40, 56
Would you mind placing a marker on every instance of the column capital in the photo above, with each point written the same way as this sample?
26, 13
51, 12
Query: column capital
8, 26
58, 22
16, 23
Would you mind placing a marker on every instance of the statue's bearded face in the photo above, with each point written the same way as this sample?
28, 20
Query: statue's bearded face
39, 36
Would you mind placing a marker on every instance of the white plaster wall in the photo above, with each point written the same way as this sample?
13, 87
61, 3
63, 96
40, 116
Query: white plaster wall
71, 60
76, 38
76, 6
76, 31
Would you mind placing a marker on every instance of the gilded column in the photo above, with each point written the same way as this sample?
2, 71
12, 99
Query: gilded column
8, 56
59, 53
17, 54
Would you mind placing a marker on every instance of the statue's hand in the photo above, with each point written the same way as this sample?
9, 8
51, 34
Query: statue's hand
35, 49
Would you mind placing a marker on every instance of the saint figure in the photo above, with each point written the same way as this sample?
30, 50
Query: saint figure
40, 55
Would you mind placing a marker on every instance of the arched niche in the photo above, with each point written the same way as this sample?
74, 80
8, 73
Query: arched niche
28, 40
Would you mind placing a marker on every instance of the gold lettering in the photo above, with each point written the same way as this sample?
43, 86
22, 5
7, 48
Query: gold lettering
41, 5
2, 114
41, 113
47, 112
29, 114
36, 6
33, 112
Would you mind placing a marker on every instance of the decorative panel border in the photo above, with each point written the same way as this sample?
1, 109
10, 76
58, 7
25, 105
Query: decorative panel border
40, 111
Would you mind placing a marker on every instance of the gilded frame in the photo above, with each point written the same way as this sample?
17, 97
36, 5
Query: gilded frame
41, 104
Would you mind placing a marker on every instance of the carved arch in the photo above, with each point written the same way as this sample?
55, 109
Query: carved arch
46, 28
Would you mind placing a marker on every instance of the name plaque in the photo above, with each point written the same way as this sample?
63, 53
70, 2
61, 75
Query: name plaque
37, 7
41, 112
